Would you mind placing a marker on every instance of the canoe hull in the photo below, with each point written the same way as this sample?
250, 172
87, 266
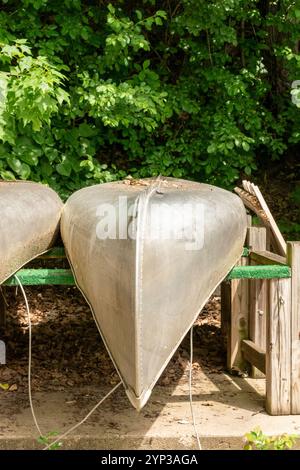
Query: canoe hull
30, 215
146, 290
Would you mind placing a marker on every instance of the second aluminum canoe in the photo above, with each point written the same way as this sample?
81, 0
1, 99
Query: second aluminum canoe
29, 223
147, 255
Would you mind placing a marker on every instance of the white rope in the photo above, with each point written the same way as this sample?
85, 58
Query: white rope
29, 356
29, 382
102, 399
84, 419
190, 390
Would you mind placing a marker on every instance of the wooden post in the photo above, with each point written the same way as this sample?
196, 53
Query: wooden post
2, 309
234, 317
234, 306
257, 240
278, 352
293, 258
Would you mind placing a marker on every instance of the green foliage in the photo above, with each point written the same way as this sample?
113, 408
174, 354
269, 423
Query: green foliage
191, 88
256, 440
46, 440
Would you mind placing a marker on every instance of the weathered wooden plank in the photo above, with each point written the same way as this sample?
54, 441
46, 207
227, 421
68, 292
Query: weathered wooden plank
2, 308
260, 272
234, 307
281, 244
235, 323
37, 277
267, 257
293, 258
254, 200
278, 351
258, 303
226, 312
257, 240
250, 201
254, 354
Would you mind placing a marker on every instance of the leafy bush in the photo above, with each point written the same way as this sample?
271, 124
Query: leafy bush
257, 440
90, 92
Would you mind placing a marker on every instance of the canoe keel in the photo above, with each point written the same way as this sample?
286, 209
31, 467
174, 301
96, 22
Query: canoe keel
147, 267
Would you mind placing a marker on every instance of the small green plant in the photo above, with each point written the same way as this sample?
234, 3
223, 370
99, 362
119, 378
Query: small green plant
257, 440
45, 441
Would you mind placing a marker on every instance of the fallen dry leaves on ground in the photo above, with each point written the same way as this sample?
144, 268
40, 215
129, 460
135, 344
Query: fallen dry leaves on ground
68, 352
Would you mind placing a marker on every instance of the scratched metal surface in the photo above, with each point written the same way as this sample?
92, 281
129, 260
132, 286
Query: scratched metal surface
146, 291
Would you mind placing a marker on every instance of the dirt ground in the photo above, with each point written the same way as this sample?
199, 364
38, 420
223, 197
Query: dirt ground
67, 351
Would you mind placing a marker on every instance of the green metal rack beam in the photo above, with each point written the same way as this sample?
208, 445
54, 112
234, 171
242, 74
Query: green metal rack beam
260, 272
64, 277
42, 277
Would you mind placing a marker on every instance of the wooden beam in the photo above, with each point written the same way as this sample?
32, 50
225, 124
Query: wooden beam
254, 354
254, 200
234, 314
278, 351
293, 258
281, 244
257, 239
2, 308
250, 201
267, 257
234, 308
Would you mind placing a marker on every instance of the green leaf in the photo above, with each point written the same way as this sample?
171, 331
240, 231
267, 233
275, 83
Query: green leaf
139, 14
177, 173
211, 148
18, 167
146, 64
65, 167
7, 175
245, 146
111, 8
14, 163
161, 13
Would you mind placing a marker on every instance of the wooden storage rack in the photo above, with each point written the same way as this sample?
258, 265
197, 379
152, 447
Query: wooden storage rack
260, 315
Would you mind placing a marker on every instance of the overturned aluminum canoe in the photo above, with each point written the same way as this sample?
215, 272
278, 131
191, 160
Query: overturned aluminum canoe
29, 223
147, 255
